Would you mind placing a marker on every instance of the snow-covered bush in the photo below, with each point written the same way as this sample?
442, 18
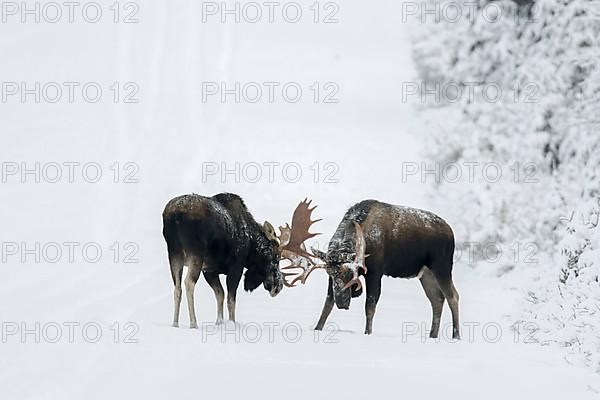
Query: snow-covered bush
543, 132
567, 310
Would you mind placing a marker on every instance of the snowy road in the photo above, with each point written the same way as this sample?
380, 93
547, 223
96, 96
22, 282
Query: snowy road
359, 144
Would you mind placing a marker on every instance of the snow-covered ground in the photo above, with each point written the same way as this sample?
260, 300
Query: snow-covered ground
171, 135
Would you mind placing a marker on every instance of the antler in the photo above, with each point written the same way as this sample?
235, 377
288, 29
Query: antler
306, 264
359, 260
299, 233
292, 243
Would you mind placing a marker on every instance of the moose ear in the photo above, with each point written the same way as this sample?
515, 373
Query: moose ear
269, 231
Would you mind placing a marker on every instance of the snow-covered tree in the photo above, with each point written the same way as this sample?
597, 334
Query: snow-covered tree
543, 132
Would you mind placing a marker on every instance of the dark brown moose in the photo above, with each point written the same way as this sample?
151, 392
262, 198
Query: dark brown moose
376, 239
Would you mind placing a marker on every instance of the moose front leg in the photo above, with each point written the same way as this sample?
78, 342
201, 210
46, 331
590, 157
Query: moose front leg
373, 284
327, 307
233, 281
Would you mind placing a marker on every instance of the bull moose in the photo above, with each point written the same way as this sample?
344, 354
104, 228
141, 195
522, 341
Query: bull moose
218, 235
375, 239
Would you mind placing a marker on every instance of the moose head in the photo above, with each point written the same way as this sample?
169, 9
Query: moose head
263, 262
343, 266
289, 245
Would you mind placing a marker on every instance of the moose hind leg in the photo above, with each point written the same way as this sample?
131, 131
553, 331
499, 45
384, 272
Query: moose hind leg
327, 307
176, 264
215, 284
436, 298
451, 295
190, 284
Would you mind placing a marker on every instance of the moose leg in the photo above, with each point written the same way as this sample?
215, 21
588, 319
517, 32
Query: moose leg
176, 263
327, 307
215, 284
451, 295
190, 284
436, 298
373, 292
233, 280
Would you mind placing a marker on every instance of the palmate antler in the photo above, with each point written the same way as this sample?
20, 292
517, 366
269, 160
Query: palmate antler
292, 244
307, 265
298, 233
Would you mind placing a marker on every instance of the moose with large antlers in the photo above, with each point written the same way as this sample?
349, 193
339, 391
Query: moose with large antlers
375, 239
218, 235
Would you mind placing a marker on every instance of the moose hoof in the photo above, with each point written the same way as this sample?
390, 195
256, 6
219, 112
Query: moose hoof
193, 325
219, 321
175, 324
319, 328
368, 331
